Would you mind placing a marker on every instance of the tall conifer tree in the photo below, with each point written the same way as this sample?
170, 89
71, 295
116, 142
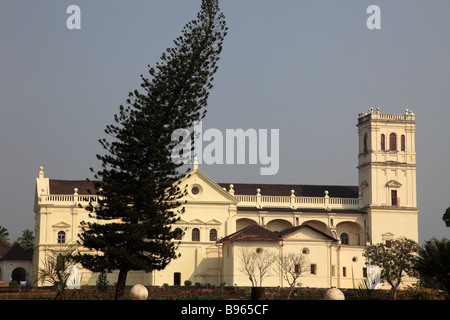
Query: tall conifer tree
138, 183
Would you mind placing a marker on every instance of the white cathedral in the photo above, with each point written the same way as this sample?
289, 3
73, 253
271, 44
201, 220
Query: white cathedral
330, 225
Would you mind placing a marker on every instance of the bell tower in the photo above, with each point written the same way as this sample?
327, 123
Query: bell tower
387, 174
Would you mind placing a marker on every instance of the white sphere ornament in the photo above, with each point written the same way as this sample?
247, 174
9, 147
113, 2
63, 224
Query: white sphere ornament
138, 292
334, 294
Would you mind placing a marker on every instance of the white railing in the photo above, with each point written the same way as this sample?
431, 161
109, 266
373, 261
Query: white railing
407, 116
258, 201
295, 202
68, 199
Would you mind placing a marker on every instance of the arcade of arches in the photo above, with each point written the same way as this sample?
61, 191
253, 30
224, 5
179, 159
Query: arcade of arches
347, 232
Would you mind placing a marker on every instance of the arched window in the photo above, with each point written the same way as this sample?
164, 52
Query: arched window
179, 234
195, 234
213, 235
383, 142
61, 237
344, 238
403, 143
365, 144
393, 142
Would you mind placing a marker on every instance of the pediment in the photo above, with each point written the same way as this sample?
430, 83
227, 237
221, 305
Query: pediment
393, 184
214, 221
61, 225
387, 236
196, 221
202, 189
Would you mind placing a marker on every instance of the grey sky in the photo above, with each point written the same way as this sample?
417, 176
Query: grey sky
304, 67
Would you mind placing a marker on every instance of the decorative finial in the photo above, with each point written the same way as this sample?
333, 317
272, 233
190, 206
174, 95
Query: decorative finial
75, 191
195, 165
41, 172
231, 189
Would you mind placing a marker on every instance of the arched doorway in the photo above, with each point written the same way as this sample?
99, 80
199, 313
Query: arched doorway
19, 274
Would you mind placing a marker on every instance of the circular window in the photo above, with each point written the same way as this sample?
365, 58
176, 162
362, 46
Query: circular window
305, 251
355, 259
259, 250
195, 190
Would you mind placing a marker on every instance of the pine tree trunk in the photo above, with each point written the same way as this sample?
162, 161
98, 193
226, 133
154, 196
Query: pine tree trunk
120, 287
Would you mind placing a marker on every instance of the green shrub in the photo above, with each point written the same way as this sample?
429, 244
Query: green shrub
102, 282
418, 292
13, 284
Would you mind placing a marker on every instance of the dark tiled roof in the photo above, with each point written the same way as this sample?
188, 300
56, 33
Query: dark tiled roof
252, 233
17, 252
300, 190
68, 186
258, 233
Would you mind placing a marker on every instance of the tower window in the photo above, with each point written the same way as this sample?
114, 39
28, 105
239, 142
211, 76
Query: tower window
395, 200
393, 142
403, 143
365, 143
61, 237
383, 142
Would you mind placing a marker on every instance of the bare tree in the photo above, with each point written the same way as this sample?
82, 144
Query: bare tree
257, 264
293, 266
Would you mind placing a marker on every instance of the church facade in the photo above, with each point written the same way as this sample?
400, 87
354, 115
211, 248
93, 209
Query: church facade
328, 226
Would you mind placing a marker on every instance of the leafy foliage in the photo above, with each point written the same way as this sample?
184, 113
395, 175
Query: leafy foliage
54, 269
434, 261
446, 217
395, 260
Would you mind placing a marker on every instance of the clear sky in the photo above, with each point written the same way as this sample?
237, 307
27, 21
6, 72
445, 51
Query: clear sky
304, 67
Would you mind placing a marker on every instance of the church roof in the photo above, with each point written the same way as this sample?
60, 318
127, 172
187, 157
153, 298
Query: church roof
17, 252
258, 233
83, 186
68, 186
252, 233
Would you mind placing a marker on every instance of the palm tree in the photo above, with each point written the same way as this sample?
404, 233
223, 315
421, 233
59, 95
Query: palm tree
27, 238
54, 270
4, 234
434, 261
